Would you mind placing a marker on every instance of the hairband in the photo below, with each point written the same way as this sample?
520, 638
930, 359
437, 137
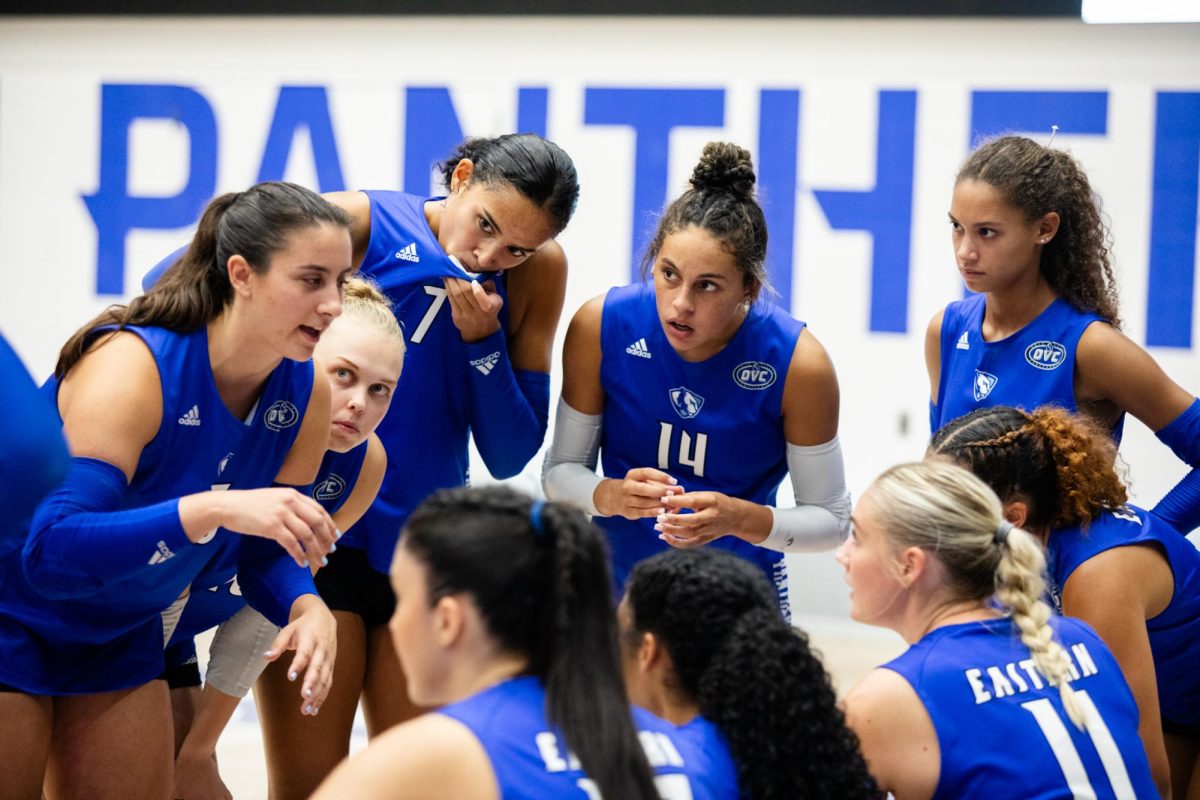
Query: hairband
1001, 534
535, 517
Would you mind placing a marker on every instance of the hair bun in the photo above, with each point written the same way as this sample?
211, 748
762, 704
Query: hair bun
724, 166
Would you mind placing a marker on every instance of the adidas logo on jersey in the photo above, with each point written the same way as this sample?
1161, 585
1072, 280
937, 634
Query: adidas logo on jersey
487, 363
161, 554
963, 342
409, 253
192, 417
638, 349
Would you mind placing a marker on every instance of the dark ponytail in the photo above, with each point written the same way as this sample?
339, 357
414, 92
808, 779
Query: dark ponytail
751, 674
538, 574
254, 224
536, 167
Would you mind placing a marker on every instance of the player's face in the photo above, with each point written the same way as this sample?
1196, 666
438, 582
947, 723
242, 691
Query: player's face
700, 292
995, 246
871, 568
300, 294
363, 364
491, 227
414, 631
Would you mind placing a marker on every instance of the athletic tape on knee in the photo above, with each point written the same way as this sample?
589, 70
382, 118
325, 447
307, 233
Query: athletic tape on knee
235, 659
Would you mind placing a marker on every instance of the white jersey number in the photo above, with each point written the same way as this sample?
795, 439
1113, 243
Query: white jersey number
670, 787
1055, 731
438, 293
691, 452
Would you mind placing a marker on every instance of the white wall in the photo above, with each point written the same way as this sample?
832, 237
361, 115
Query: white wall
52, 73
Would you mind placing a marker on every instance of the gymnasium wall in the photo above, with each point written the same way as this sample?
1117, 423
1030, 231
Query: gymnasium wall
114, 132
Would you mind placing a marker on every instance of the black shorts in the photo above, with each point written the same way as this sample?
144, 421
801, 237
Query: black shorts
350, 583
1179, 729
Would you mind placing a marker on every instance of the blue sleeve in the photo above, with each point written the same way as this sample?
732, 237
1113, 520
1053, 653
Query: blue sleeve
270, 579
1181, 506
509, 409
158, 269
80, 540
34, 458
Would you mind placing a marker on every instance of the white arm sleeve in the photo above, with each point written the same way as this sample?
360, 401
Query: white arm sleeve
235, 659
569, 471
821, 518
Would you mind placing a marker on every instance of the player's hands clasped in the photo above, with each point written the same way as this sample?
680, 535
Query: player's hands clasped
713, 515
298, 523
639, 495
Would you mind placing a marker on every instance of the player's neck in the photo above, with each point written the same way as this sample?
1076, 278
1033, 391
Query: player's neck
240, 368
1010, 309
945, 613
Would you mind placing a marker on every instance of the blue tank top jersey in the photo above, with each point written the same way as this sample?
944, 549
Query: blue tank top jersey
113, 639
532, 762
1033, 367
430, 412
1175, 633
715, 425
35, 457
215, 594
1001, 728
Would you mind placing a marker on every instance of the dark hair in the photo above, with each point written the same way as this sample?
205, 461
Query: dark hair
536, 167
752, 674
721, 201
254, 224
1061, 464
543, 590
1036, 180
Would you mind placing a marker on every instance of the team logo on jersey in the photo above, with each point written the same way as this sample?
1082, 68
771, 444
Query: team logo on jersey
638, 349
1046, 355
280, 415
686, 403
161, 553
984, 383
487, 363
963, 342
329, 489
753, 375
191, 418
409, 253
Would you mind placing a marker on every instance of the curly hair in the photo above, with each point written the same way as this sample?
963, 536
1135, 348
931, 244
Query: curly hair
1060, 463
721, 201
751, 674
1038, 180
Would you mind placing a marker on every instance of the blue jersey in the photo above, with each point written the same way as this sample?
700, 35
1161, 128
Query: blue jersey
531, 760
1174, 633
216, 595
35, 455
430, 413
714, 425
1001, 728
113, 638
1033, 367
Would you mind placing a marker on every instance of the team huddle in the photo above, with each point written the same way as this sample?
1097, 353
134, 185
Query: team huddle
272, 441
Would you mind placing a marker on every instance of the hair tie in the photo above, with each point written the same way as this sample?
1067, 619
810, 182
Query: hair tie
1001, 534
535, 518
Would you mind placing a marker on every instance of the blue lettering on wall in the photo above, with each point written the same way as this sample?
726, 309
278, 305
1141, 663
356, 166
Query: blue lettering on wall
531, 109
113, 210
303, 107
994, 113
778, 143
431, 132
652, 113
885, 211
1173, 219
